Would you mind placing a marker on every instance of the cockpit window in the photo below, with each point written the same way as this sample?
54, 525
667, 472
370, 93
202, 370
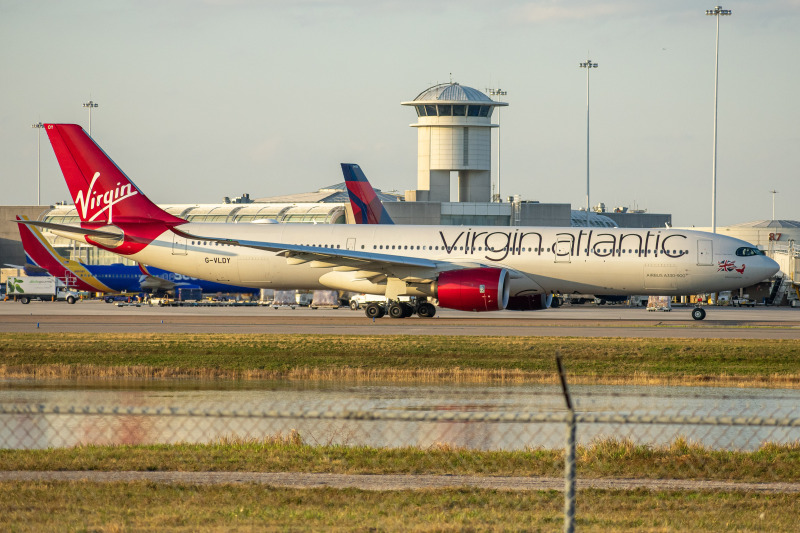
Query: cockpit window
747, 252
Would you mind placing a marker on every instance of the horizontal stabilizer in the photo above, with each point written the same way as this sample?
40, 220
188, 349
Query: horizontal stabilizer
70, 229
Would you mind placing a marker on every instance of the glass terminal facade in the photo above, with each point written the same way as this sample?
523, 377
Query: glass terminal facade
311, 213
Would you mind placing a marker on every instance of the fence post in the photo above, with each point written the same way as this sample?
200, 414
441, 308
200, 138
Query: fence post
569, 453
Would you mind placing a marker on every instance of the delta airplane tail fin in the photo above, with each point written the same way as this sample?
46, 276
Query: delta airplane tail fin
102, 193
367, 207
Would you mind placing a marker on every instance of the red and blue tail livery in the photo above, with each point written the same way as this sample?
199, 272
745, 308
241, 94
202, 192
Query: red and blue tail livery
367, 207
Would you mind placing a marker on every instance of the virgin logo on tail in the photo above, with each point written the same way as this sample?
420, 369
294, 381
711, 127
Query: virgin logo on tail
101, 201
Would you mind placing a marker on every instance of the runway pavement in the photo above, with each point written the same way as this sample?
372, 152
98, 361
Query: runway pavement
569, 321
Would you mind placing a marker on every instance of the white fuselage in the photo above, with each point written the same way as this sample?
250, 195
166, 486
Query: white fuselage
543, 259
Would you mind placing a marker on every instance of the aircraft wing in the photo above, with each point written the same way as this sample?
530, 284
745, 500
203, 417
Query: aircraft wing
370, 264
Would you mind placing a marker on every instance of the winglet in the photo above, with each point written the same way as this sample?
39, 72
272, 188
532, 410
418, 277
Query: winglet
367, 207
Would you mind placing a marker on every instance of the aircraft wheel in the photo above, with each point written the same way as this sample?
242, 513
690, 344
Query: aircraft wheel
426, 310
373, 310
354, 305
396, 311
698, 313
556, 302
408, 309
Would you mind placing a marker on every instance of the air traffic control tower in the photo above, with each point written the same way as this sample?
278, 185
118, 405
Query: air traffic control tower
453, 135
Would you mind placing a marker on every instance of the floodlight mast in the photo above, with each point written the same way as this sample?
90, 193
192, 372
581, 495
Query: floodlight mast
497, 197
588, 65
90, 104
774, 192
716, 12
39, 127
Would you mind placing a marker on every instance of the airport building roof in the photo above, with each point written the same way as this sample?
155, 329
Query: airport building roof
331, 194
777, 224
596, 220
303, 212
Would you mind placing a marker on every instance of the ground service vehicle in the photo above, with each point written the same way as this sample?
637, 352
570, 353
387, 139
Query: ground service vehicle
27, 288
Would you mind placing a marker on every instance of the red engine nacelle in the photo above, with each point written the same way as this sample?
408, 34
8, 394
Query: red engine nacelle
474, 289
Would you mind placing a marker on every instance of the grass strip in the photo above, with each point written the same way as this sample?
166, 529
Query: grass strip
608, 458
733, 362
83, 506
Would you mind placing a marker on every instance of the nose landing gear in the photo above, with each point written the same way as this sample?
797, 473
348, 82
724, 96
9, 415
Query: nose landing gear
698, 313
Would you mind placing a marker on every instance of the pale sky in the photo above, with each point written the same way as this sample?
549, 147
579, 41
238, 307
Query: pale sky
204, 99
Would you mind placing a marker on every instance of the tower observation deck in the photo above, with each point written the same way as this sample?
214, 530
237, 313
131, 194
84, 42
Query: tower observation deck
453, 135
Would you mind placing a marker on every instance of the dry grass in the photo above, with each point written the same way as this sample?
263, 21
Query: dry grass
141, 506
290, 452
709, 362
388, 375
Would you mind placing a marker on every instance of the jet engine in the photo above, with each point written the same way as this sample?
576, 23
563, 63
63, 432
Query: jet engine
474, 289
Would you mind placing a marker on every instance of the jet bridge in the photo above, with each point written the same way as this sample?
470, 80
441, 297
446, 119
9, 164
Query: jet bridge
787, 281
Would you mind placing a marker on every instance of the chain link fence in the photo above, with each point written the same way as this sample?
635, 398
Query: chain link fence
467, 419
592, 432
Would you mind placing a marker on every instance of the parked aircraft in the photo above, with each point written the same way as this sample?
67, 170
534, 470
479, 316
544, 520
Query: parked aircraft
112, 278
470, 268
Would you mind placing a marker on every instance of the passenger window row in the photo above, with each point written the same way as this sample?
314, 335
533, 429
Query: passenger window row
739, 252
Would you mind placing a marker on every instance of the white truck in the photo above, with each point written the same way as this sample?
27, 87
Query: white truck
359, 300
46, 288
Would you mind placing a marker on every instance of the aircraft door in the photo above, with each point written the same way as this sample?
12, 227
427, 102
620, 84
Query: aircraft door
705, 252
563, 251
178, 244
351, 244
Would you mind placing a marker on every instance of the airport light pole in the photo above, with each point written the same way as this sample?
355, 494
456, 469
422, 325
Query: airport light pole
588, 66
774, 192
90, 104
39, 127
497, 92
716, 12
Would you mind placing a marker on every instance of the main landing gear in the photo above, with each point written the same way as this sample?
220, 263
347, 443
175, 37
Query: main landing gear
400, 309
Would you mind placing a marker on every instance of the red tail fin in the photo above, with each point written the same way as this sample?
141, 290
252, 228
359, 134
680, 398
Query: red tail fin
101, 191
